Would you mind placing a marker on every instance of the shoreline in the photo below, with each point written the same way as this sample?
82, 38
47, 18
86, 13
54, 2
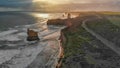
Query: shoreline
81, 48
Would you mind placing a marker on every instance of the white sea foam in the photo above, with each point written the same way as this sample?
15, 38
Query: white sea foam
22, 34
29, 54
12, 45
6, 55
7, 32
23, 56
10, 38
26, 56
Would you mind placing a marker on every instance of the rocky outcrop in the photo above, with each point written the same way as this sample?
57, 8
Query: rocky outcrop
56, 22
32, 35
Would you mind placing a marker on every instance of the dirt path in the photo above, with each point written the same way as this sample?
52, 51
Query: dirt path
109, 44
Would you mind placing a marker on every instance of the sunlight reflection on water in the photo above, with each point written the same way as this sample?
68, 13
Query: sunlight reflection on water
41, 20
42, 15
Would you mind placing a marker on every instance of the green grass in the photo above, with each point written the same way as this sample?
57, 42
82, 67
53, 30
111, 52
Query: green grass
109, 29
72, 45
75, 45
80, 41
90, 59
115, 20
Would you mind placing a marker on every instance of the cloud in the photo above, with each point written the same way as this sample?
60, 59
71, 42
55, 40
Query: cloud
9, 9
94, 1
46, 5
16, 3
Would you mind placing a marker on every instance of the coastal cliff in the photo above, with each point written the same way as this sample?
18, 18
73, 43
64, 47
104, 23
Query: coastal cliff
63, 37
82, 49
56, 22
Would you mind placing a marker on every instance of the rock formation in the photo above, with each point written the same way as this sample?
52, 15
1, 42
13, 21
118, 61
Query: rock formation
32, 35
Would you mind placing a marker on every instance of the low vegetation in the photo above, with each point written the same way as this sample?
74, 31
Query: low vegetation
82, 50
107, 29
115, 20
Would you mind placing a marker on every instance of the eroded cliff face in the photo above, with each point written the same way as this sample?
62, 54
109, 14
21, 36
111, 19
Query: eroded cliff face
32, 35
56, 22
71, 26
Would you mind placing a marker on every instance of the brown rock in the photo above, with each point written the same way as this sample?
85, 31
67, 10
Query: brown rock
32, 35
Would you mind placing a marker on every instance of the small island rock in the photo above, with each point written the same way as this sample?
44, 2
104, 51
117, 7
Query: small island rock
32, 35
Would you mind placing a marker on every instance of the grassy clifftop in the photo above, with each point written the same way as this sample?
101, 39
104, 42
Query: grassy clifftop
82, 50
106, 28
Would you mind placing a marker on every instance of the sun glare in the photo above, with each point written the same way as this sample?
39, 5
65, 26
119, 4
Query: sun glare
52, 1
49, 1
42, 15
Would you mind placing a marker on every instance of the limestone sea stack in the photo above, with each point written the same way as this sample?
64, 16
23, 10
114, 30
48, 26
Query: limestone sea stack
32, 35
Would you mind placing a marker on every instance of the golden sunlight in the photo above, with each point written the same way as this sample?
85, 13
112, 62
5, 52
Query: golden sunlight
52, 1
40, 15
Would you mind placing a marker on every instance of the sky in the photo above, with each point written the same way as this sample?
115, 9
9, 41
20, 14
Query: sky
79, 1
78, 5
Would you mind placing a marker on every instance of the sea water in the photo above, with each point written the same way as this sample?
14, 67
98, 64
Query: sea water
14, 25
15, 51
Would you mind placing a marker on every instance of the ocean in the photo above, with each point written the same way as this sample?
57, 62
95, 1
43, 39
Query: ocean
15, 50
14, 25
